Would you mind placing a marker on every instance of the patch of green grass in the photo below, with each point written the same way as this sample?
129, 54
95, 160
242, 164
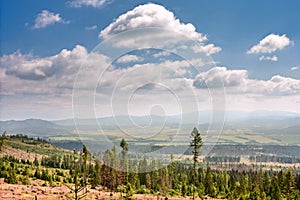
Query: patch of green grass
234, 139
259, 139
38, 148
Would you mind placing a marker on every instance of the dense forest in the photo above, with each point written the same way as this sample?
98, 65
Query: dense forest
79, 169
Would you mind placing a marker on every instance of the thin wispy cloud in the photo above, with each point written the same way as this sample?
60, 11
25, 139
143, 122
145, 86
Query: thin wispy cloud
129, 58
47, 18
88, 3
295, 68
269, 58
90, 28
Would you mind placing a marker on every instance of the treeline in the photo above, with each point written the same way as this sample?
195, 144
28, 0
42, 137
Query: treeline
268, 158
244, 150
257, 158
221, 159
29, 140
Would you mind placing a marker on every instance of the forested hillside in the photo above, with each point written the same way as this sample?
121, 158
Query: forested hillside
58, 173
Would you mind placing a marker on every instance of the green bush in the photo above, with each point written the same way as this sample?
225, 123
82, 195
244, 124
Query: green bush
25, 180
143, 190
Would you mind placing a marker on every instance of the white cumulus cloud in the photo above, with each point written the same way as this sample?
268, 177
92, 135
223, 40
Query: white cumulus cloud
271, 58
53, 75
212, 78
151, 15
270, 44
27, 67
46, 18
238, 82
153, 26
279, 85
208, 49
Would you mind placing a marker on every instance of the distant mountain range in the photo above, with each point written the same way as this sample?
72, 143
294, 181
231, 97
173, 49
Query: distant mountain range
33, 127
260, 121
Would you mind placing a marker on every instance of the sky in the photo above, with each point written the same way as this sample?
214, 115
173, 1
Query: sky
84, 58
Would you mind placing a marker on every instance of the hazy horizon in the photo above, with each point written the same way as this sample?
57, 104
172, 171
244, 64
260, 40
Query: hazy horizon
227, 112
140, 58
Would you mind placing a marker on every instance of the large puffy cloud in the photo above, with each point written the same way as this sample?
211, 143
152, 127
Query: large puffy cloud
53, 75
270, 44
238, 82
46, 18
150, 15
219, 77
279, 85
29, 68
153, 26
46, 90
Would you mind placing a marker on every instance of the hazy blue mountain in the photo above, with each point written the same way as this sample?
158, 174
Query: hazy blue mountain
33, 127
267, 122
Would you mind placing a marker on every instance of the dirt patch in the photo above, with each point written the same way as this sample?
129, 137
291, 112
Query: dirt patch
20, 154
29, 192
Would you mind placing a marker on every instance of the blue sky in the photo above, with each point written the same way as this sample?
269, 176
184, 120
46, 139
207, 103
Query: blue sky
233, 26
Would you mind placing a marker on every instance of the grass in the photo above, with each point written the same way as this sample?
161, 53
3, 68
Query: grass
234, 139
259, 139
39, 148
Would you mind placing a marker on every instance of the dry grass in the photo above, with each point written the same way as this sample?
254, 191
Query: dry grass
29, 192
20, 154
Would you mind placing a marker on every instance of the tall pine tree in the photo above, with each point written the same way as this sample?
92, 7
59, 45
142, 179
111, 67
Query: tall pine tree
196, 143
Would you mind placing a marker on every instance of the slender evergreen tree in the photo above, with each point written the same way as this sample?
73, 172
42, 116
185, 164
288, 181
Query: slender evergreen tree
124, 146
289, 183
196, 143
78, 179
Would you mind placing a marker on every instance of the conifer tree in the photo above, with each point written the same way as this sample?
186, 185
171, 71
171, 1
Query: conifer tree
78, 179
124, 147
196, 143
275, 192
289, 183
